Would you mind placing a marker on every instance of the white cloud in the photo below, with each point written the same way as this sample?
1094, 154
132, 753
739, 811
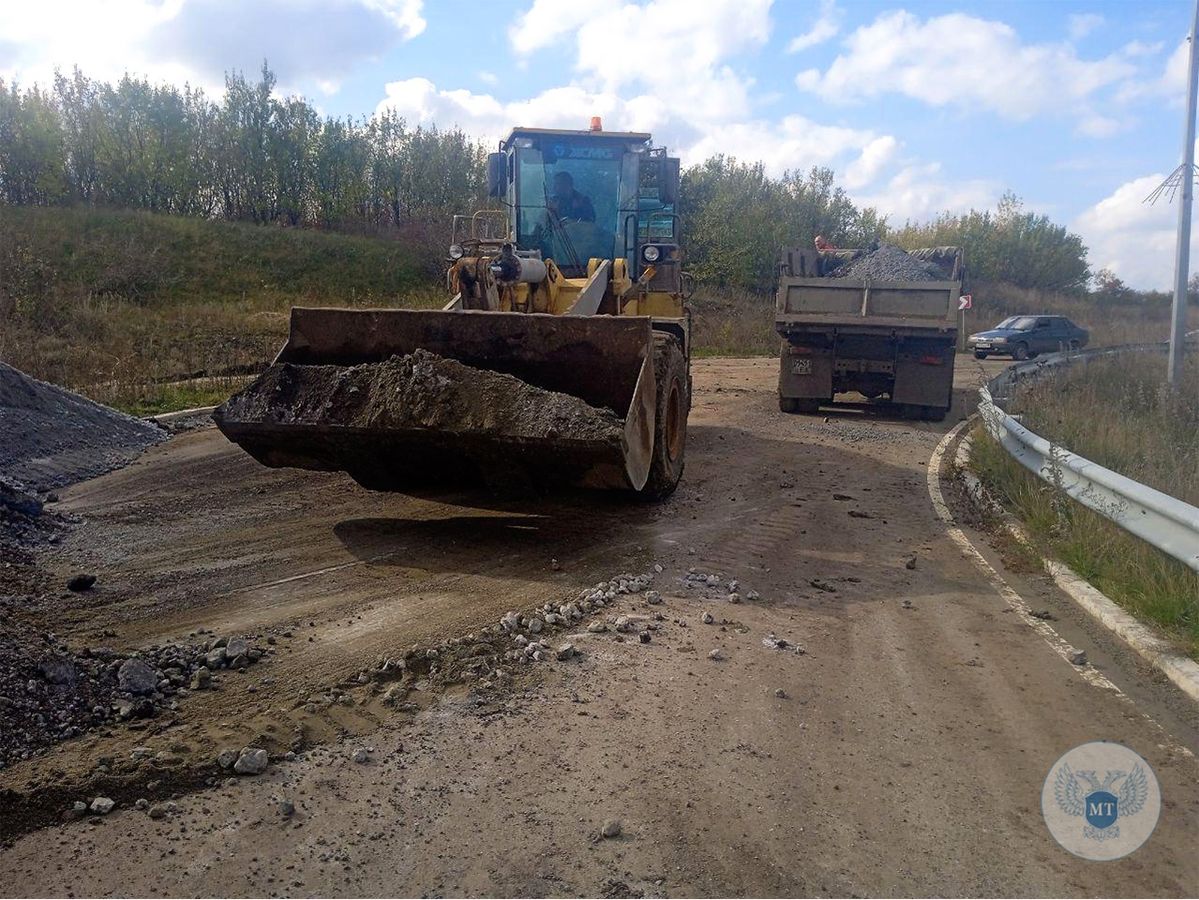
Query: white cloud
196, 41
876, 156
420, 101
665, 47
919, 191
1079, 25
1134, 239
546, 22
1170, 83
965, 61
795, 143
826, 27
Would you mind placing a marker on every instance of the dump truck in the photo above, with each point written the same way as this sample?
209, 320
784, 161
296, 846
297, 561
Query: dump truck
561, 358
879, 322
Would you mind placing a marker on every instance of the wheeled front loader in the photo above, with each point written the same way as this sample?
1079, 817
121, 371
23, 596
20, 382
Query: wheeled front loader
574, 287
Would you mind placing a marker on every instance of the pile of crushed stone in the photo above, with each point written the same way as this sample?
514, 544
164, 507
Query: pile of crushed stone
420, 390
888, 263
50, 692
51, 437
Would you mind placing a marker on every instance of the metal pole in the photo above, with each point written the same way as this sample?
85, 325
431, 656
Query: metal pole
1182, 261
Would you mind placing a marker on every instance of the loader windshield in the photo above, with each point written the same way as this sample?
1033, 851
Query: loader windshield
572, 196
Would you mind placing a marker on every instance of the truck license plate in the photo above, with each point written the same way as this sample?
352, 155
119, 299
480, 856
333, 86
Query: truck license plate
801, 367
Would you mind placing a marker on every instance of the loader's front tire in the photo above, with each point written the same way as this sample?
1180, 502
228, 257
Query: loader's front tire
670, 420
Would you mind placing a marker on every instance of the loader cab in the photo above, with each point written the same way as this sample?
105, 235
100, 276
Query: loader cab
623, 200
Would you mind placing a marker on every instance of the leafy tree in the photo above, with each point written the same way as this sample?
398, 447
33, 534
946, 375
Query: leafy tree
1010, 245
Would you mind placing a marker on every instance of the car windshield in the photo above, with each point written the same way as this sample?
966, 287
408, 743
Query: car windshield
1022, 323
572, 199
1007, 323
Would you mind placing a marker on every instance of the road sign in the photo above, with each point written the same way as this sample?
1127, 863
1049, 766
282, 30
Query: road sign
966, 301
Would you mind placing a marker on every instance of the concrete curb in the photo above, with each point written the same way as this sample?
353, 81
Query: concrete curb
167, 418
1181, 670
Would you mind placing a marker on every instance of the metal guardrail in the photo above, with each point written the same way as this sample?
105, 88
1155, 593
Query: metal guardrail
1167, 523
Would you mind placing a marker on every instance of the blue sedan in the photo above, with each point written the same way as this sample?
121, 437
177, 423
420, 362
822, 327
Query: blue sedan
1023, 337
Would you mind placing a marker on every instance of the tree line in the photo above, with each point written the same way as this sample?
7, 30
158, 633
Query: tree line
255, 157
251, 157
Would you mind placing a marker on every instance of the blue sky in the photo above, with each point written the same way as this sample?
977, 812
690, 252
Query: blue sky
918, 106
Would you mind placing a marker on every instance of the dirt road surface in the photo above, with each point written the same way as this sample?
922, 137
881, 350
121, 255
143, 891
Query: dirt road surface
901, 752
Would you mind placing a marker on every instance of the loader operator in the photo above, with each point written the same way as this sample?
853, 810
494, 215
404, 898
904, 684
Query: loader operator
567, 204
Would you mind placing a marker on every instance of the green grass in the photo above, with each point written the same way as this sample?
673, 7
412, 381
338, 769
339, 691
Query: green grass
115, 304
151, 400
1117, 413
731, 322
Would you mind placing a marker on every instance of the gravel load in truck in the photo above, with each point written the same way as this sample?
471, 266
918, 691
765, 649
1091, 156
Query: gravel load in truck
888, 263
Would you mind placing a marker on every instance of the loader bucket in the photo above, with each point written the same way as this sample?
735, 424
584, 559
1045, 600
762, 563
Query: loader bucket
319, 405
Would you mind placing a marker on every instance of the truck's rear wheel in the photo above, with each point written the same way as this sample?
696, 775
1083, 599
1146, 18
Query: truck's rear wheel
670, 425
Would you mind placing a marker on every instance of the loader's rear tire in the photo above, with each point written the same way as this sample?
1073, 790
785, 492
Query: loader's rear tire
670, 419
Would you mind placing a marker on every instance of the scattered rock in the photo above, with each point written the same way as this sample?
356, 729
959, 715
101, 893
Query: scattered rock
753, 596
860, 514
1078, 657
360, 755
226, 758
707, 618
236, 647
201, 679
565, 652
612, 828
645, 637
287, 809
821, 585
716, 655
535, 626
136, 677
102, 806
780, 693
1043, 614
842, 497
81, 582
907, 604
251, 761
911, 563
653, 598
734, 597
157, 811
597, 627
57, 669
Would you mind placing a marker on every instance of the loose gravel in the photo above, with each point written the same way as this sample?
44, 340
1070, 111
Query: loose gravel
51, 437
888, 263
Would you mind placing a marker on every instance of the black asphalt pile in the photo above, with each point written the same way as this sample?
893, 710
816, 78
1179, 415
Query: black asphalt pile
888, 263
49, 692
51, 437
420, 390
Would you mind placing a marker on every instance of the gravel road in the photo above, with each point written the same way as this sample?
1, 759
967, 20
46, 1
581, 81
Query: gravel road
876, 721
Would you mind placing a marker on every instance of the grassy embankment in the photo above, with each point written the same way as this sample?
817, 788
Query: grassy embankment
119, 305
1118, 413
123, 306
